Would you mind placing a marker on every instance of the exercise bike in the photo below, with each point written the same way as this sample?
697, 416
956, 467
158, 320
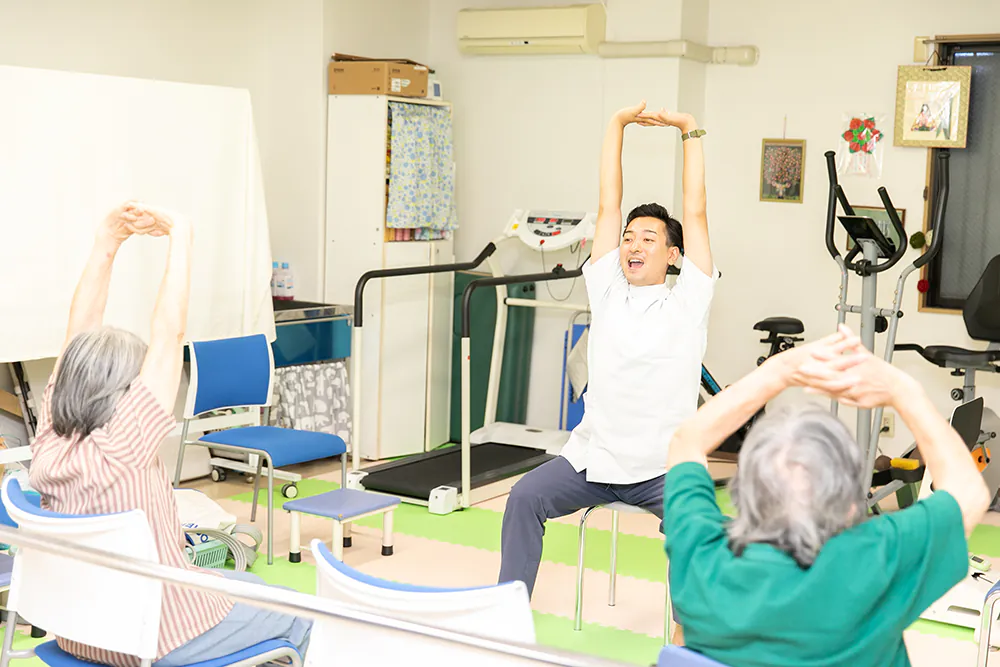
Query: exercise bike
979, 315
782, 334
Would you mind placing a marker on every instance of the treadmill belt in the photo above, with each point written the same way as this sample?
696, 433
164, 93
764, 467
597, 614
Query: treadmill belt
417, 476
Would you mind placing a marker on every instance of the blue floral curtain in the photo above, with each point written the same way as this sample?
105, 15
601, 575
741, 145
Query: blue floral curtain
421, 176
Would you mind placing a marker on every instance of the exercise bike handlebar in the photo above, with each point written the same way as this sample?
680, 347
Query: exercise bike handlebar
894, 218
836, 192
359, 290
937, 220
940, 206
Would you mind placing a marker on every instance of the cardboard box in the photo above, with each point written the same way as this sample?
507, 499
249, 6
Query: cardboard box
378, 77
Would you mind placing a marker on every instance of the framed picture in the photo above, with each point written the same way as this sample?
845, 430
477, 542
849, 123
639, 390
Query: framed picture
881, 218
782, 163
932, 106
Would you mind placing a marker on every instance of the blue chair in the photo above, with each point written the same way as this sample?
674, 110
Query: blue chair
500, 612
676, 656
107, 609
233, 373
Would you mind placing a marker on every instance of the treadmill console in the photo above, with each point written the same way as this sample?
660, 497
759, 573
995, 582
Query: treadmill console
551, 230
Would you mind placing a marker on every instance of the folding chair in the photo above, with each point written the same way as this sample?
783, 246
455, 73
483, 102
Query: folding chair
237, 373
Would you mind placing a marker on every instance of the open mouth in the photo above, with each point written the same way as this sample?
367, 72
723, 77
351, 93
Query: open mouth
635, 263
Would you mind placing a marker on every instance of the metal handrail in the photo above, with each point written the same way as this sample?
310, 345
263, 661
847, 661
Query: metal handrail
290, 602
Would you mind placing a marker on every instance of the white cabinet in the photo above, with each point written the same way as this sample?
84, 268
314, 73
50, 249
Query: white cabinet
406, 364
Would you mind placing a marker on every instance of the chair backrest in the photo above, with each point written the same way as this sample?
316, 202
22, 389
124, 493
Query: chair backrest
500, 612
97, 606
229, 373
982, 307
677, 656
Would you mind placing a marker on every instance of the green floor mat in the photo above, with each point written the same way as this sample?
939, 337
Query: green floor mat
598, 640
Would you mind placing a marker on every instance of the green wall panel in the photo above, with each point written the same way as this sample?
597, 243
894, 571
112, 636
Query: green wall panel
512, 402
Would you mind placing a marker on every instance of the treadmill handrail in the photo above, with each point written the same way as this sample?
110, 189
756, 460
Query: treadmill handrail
359, 289
557, 273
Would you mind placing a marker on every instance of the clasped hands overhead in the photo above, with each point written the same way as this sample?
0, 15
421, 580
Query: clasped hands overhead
135, 218
840, 367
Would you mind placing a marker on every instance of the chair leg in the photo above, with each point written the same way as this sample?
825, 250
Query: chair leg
667, 612
295, 546
387, 533
338, 540
270, 510
256, 488
8, 638
614, 558
578, 622
180, 454
343, 470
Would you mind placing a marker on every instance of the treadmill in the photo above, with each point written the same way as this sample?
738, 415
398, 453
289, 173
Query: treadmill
488, 462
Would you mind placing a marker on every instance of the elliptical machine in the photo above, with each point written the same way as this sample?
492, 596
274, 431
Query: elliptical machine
878, 254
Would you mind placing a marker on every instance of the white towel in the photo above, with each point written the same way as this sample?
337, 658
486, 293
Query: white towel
73, 147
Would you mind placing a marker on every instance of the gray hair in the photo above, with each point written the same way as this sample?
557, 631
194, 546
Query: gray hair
95, 371
798, 483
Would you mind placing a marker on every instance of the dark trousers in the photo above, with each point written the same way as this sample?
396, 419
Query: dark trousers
551, 490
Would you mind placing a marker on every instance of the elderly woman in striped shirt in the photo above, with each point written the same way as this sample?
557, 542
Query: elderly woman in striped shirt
105, 412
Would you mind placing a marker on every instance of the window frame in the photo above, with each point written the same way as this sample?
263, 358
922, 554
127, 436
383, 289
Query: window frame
931, 300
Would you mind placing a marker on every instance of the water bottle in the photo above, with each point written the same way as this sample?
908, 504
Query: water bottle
279, 283
289, 292
274, 279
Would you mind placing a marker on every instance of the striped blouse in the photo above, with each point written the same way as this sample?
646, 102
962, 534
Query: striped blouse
114, 469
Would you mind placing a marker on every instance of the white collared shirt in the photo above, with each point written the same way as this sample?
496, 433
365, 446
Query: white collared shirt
645, 349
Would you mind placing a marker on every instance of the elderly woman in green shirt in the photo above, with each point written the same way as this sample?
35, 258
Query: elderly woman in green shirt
800, 577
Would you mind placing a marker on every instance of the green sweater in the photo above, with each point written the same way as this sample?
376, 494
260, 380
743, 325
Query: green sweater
849, 608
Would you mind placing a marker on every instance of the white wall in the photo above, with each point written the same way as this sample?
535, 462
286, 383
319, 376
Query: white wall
278, 50
271, 48
528, 133
816, 64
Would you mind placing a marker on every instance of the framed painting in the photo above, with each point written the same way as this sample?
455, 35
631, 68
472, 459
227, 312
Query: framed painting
932, 106
782, 165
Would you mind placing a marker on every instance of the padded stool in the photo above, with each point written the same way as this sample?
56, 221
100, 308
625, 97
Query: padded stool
343, 506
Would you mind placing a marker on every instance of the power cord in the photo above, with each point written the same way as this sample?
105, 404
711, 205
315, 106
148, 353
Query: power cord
575, 248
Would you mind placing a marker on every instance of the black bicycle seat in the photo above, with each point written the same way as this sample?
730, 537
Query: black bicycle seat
780, 325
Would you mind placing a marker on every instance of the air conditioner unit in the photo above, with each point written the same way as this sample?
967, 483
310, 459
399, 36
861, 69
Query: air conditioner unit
571, 29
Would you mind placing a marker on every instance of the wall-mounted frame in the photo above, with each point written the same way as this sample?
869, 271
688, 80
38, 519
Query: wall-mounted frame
932, 106
782, 167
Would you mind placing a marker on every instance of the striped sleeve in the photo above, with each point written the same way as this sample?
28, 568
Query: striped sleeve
45, 408
138, 427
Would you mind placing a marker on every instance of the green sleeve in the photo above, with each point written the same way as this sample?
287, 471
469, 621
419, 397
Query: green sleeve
692, 521
927, 553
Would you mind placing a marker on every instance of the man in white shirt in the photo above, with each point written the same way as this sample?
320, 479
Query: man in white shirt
647, 342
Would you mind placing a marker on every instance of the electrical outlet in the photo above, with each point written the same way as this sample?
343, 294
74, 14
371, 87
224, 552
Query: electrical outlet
888, 424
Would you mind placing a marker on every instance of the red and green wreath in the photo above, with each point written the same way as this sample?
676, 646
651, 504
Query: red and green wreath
863, 135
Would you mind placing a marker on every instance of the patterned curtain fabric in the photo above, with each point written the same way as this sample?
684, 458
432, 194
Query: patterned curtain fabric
421, 172
313, 397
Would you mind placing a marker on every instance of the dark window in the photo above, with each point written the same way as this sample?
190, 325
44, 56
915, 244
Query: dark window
972, 219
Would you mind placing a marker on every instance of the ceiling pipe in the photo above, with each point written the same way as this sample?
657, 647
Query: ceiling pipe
681, 48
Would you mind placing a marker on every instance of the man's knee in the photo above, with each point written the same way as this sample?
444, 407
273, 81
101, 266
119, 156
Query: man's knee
528, 496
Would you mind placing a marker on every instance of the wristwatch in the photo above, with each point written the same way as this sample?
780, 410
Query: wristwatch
693, 134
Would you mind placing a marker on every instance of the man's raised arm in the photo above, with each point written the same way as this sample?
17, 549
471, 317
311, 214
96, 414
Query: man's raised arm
695, 214
609, 209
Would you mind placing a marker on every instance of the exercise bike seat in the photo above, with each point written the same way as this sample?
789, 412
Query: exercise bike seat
942, 355
780, 325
